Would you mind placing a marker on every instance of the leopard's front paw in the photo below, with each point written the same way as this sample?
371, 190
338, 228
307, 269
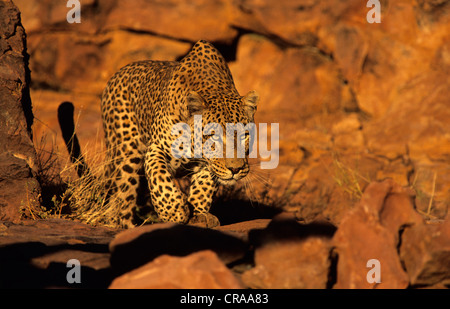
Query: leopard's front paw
204, 220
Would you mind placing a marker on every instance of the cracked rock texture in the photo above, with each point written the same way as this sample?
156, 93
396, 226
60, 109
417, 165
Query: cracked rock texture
19, 188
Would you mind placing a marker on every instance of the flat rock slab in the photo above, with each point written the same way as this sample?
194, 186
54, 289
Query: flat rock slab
242, 229
425, 252
135, 247
370, 232
277, 253
54, 232
34, 254
200, 270
290, 255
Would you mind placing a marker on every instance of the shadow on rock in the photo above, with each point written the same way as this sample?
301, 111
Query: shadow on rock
236, 210
287, 229
32, 265
136, 247
290, 255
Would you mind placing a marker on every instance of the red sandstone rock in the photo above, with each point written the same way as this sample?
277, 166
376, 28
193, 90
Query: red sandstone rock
398, 211
201, 270
135, 247
291, 256
370, 231
18, 186
34, 254
425, 252
241, 229
291, 265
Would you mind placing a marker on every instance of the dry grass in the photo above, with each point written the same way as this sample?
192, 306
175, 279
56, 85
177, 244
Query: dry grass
64, 194
46, 172
424, 196
348, 179
87, 195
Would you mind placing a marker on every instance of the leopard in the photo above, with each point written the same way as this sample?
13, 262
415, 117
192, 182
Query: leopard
140, 105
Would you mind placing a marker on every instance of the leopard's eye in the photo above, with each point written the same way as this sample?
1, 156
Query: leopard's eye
244, 137
215, 138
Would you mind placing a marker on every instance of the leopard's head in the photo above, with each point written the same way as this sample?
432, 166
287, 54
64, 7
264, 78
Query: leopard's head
226, 135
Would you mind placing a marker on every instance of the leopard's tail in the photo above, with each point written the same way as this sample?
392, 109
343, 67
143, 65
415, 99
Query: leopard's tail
67, 125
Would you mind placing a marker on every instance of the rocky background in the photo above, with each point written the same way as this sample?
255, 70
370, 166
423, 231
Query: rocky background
364, 147
17, 154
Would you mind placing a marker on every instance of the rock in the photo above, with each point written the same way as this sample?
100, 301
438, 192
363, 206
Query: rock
389, 137
347, 133
242, 229
65, 61
53, 232
291, 255
398, 210
18, 187
375, 65
348, 124
135, 247
399, 170
425, 252
418, 94
34, 254
200, 270
298, 22
274, 74
370, 231
190, 22
353, 140
290, 265
431, 181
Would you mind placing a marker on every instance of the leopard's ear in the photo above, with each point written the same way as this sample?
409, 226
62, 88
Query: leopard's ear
195, 103
251, 100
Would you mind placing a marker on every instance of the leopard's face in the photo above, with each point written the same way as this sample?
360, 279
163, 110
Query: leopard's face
226, 136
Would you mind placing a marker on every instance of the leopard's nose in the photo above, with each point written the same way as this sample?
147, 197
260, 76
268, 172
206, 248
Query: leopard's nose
235, 165
235, 170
